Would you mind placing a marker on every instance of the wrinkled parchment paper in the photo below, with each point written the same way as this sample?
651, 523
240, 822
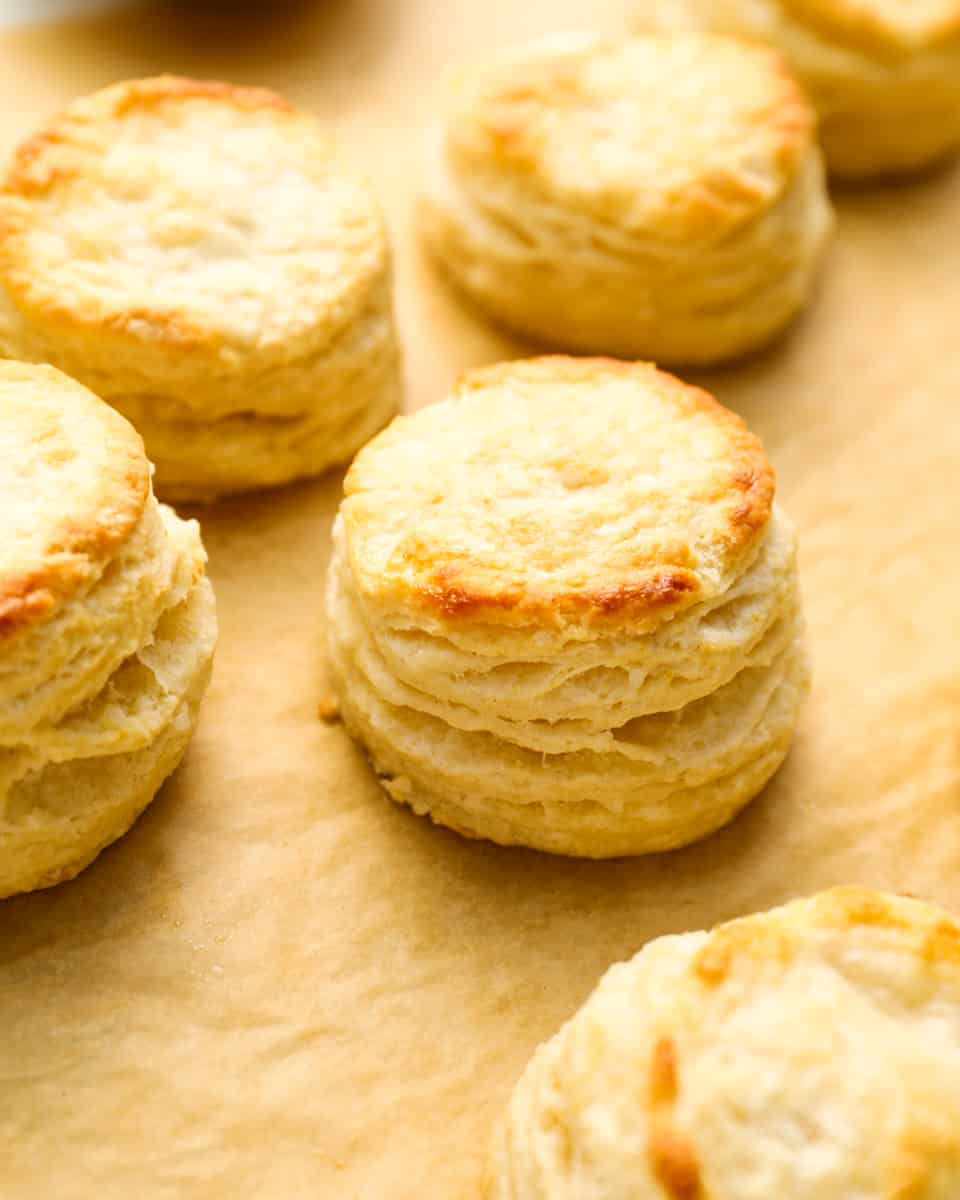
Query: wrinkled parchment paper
278, 985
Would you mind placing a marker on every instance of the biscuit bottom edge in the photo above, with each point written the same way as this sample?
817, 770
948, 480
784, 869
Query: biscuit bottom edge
587, 829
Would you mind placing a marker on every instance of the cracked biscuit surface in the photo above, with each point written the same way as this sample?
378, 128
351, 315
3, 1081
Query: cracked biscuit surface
658, 197
808, 1052
195, 254
107, 628
563, 609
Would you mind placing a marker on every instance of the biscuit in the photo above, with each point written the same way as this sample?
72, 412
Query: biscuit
563, 609
107, 628
659, 197
194, 253
884, 75
808, 1052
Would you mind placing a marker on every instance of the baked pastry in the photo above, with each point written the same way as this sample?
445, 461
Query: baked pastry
808, 1052
194, 253
563, 611
107, 629
884, 74
659, 197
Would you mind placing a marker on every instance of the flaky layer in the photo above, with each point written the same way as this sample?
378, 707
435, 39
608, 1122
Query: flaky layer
137, 701
51, 668
808, 1053
542, 677
661, 198
80, 785
570, 284
655, 783
199, 460
884, 76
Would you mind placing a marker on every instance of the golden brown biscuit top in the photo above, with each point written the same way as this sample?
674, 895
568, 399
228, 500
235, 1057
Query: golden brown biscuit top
808, 1052
557, 490
189, 215
675, 136
73, 483
833, 924
895, 26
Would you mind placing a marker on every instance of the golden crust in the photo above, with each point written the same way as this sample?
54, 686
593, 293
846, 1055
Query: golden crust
632, 132
807, 1052
656, 198
143, 150
73, 484
904, 924
557, 490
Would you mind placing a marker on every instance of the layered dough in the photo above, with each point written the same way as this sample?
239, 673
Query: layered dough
659, 198
340, 401
100, 702
563, 609
195, 254
605, 773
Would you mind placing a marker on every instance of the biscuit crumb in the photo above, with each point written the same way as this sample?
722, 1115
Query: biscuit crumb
328, 710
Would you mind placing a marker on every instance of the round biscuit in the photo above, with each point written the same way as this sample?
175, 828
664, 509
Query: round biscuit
808, 1052
195, 253
107, 628
658, 197
563, 612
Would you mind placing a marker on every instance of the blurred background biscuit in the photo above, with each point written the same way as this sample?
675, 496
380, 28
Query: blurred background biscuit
107, 628
195, 254
659, 197
883, 74
809, 1052
563, 609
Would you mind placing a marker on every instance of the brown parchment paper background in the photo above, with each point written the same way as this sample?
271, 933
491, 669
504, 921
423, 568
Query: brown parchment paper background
278, 985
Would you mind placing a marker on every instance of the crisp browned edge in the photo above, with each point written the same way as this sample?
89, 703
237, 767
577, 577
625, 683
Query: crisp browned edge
844, 908
657, 592
29, 175
791, 115
78, 550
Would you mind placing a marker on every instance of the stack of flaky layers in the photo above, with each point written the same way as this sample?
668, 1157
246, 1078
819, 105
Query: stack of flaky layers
650, 197
107, 629
194, 253
564, 610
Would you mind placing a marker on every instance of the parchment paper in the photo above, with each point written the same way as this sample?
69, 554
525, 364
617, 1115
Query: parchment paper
280, 986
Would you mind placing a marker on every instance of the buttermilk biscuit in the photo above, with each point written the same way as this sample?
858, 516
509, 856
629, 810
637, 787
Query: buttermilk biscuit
808, 1053
884, 74
107, 628
563, 610
194, 253
659, 197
